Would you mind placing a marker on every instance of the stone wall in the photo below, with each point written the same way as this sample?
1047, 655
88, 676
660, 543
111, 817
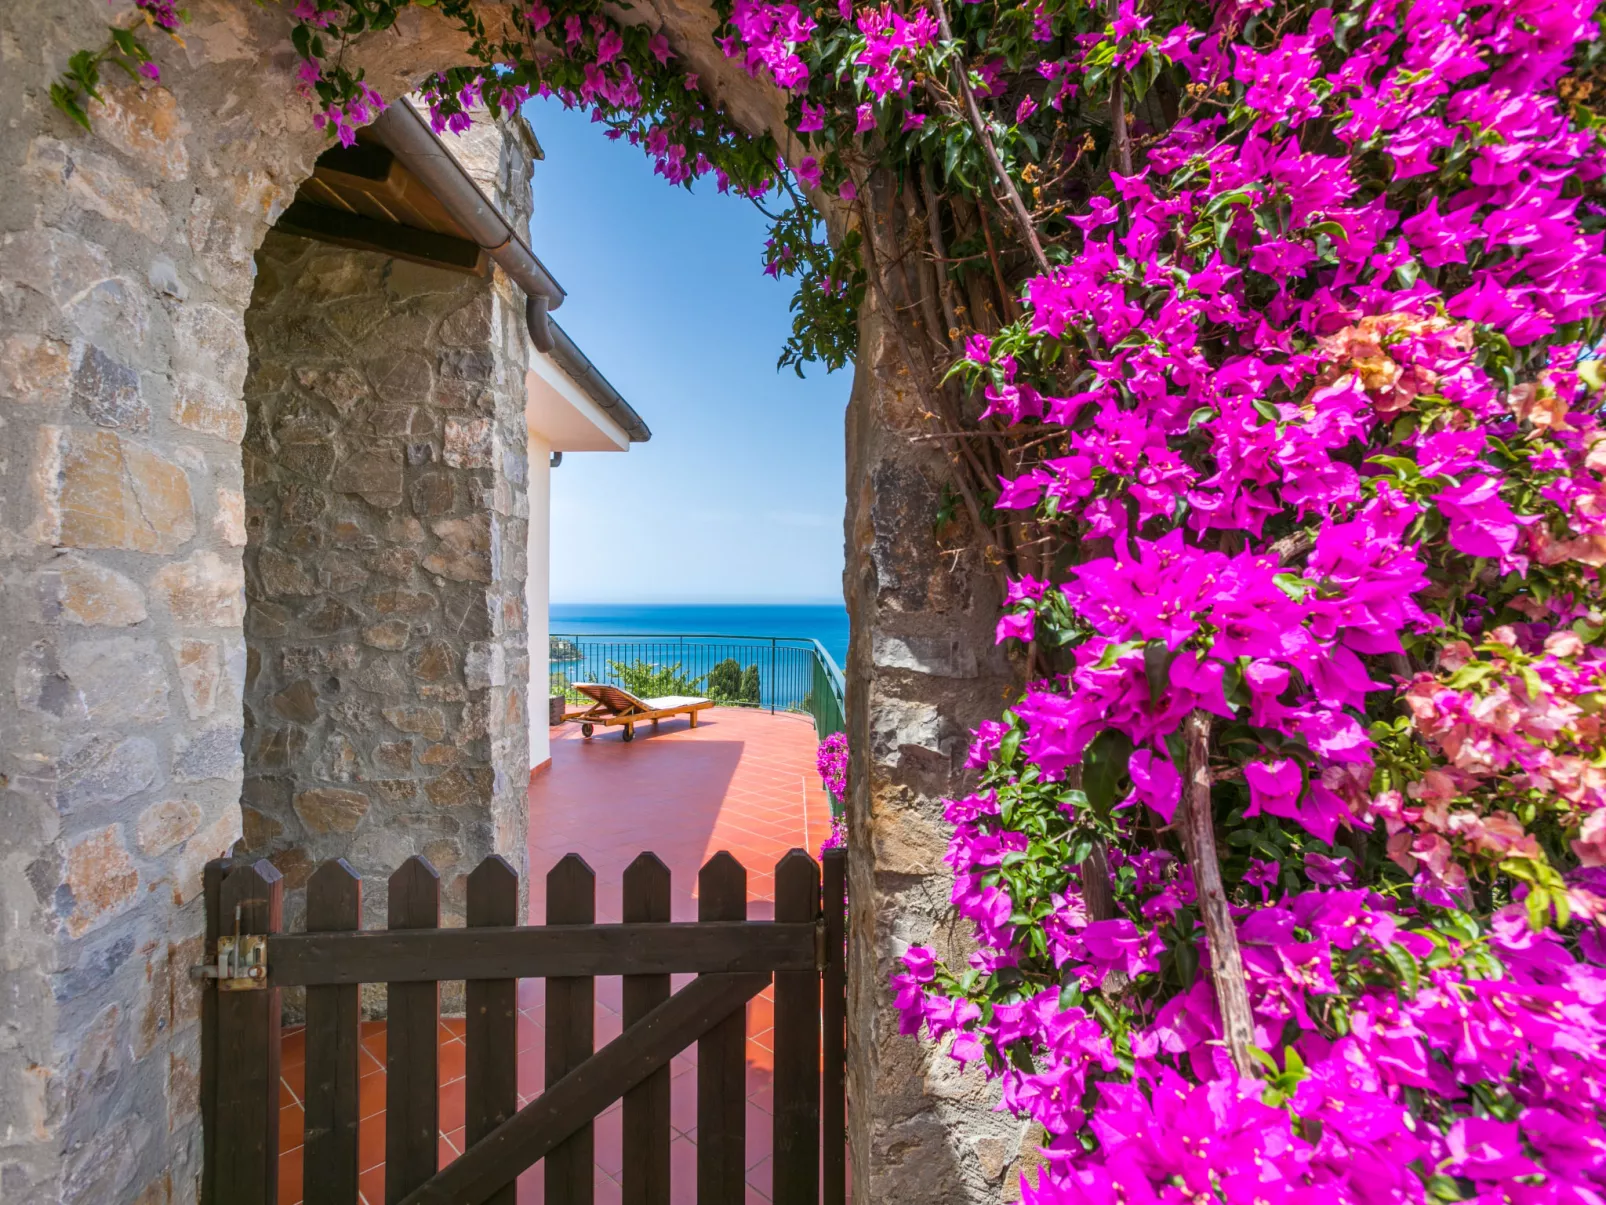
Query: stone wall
385, 518
125, 270
922, 672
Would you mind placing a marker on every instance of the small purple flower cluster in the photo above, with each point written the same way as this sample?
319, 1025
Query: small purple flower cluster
831, 761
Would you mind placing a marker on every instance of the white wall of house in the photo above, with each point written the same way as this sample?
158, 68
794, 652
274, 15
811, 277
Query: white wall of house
560, 418
537, 595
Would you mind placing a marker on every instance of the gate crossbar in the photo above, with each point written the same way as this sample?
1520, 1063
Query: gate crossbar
540, 951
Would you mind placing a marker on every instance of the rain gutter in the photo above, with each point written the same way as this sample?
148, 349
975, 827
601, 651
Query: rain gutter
407, 135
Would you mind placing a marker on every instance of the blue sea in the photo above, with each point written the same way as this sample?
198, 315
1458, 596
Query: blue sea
827, 623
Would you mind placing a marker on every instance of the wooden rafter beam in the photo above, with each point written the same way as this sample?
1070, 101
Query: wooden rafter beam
345, 229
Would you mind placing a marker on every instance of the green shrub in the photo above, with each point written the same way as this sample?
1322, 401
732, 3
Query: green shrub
646, 680
750, 685
560, 685
725, 681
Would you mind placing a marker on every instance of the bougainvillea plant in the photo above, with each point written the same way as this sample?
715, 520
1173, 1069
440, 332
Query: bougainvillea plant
1261, 336
831, 760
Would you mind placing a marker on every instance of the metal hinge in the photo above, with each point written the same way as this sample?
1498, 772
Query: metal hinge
242, 962
819, 944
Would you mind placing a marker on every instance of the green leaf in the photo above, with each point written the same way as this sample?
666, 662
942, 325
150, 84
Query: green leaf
1009, 747
1103, 767
1157, 660
67, 102
1444, 1188
1405, 964
1114, 652
1538, 903
1405, 468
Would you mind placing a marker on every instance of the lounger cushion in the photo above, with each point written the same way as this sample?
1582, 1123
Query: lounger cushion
620, 701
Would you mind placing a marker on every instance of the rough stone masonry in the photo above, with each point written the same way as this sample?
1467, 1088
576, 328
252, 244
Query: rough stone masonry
385, 515
127, 267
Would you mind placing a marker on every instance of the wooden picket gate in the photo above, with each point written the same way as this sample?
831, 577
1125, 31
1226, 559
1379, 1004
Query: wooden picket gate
800, 951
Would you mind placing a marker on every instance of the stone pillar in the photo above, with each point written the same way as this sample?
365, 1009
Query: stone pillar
922, 672
385, 558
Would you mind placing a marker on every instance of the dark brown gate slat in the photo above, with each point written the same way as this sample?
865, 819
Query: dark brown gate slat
646, 1110
571, 899
833, 1056
721, 1063
491, 1094
212, 893
412, 1100
247, 1122
796, 1151
329, 1169
572, 1102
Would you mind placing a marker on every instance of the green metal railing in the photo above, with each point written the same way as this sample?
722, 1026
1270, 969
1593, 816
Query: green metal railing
780, 673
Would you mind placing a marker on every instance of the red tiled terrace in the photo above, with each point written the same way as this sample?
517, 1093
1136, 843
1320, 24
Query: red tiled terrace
742, 781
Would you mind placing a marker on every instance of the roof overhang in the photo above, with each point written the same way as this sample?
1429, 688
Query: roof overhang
565, 417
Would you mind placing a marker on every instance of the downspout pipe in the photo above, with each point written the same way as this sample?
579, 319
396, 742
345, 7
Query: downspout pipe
407, 135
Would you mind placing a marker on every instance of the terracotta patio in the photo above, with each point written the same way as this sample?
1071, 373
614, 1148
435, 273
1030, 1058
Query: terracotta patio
742, 781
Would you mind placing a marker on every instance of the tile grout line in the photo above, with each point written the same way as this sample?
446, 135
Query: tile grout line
803, 780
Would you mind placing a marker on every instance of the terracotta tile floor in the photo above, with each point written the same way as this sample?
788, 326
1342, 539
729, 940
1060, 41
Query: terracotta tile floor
741, 781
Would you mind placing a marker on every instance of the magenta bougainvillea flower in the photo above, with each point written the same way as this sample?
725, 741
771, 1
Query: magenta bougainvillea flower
1337, 464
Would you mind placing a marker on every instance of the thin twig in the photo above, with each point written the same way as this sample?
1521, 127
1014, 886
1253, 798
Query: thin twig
1221, 935
1123, 137
998, 271
1294, 544
939, 252
1022, 218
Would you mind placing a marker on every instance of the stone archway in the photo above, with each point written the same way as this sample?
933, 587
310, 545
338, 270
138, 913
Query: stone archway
125, 271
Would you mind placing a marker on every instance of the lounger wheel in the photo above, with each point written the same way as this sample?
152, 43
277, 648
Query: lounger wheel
586, 730
629, 733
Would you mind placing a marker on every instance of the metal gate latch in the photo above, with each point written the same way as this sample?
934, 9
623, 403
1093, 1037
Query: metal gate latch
242, 962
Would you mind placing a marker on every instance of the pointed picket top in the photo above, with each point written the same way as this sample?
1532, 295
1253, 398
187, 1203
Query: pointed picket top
334, 897
571, 892
415, 895
493, 893
797, 887
722, 889
646, 889
256, 889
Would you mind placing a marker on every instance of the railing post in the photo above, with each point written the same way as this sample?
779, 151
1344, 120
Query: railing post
772, 679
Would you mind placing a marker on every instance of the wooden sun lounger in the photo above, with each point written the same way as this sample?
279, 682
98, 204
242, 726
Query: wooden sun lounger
615, 707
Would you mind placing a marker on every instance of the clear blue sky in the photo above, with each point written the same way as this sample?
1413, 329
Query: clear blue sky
738, 496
